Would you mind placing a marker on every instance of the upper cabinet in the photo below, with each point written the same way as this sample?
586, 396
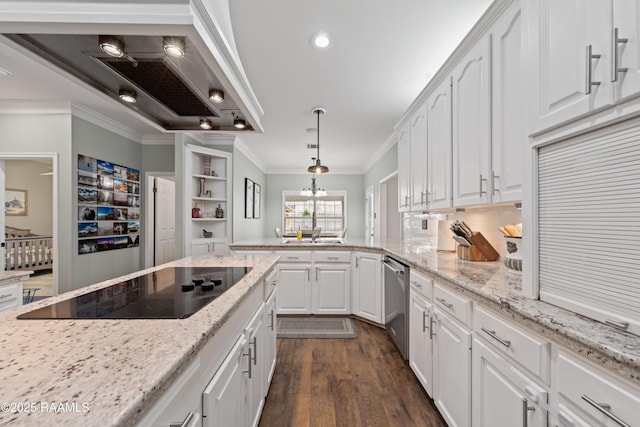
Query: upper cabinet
418, 137
404, 171
509, 121
471, 88
583, 58
439, 147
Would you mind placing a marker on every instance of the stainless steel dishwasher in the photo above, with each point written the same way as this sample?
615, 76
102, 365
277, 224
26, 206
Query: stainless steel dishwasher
396, 303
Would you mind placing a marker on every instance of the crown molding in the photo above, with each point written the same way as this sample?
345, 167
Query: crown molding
158, 139
244, 149
105, 122
21, 107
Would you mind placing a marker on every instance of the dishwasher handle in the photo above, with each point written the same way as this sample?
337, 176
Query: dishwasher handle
392, 267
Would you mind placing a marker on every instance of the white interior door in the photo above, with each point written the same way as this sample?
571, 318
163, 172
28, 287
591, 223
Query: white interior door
165, 220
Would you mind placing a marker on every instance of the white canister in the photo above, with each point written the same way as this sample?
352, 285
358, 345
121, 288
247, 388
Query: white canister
513, 258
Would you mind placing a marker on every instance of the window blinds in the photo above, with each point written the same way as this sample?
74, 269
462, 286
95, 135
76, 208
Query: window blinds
589, 225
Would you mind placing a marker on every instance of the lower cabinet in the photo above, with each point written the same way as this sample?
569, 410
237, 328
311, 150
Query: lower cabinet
366, 286
331, 289
452, 370
420, 340
503, 396
224, 401
294, 284
257, 378
10, 294
270, 337
208, 247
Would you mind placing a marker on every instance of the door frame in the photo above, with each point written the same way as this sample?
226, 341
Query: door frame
382, 201
55, 196
150, 214
370, 213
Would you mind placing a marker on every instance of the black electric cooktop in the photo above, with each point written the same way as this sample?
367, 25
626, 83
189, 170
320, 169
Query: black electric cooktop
169, 293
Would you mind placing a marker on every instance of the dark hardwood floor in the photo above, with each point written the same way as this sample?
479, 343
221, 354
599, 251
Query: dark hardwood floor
346, 382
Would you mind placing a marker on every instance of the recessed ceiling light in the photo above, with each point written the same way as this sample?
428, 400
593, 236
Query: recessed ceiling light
128, 95
321, 41
239, 123
216, 95
205, 123
111, 45
174, 46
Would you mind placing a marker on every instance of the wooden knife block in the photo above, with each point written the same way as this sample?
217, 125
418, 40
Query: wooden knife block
481, 249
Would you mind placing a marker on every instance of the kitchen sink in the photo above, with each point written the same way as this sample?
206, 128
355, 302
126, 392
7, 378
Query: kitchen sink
318, 241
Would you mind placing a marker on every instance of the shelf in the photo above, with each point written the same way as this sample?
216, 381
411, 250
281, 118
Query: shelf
209, 199
209, 219
215, 178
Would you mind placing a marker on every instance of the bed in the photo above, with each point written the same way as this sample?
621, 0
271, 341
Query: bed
26, 251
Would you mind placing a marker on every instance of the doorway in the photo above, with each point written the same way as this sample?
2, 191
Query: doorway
390, 218
29, 219
160, 242
370, 214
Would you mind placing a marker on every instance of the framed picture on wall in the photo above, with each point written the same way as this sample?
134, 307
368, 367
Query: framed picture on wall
16, 202
248, 198
257, 190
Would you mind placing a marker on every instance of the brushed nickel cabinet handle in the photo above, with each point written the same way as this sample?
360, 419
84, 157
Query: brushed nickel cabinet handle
431, 333
615, 59
493, 335
424, 321
605, 409
589, 69
481, 186
525, 412
445, 303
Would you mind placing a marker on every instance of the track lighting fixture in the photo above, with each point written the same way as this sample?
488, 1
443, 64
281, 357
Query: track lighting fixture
128, 95
112, 46
206, 123
216, 95
174, 46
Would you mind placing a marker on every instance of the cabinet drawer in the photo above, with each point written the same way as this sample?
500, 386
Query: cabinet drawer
453, 303
531, 352
294, 256
421, 284
332, 256
597, 393
10, 296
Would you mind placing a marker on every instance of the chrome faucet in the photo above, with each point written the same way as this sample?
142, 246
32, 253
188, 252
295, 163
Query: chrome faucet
313, 223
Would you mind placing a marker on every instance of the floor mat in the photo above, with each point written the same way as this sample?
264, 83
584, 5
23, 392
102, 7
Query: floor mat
316, 327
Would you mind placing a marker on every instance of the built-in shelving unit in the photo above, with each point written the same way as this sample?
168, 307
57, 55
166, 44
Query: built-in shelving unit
209, 190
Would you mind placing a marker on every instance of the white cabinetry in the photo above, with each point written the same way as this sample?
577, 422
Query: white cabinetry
508, 364
270, 337
418, 162
571, 58
404, 168
223, 400
439, 147
590, 396
257, 350
502, 395
420, 332
10, 294
452, 356
509, 127
472, 126
208, 199
314, 282
366, 289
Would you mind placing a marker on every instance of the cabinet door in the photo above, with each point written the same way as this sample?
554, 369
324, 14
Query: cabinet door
256, 382
439, 147
420, 343
418, 137
295, 289
626, 19
223, 400
560, 32
472, 126
367, 287
332, 289
499, 396
404, 169
509, 132
270, 338
452, 371
199, 248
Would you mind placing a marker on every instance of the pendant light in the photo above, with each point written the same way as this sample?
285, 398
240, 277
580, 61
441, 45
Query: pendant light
318, 167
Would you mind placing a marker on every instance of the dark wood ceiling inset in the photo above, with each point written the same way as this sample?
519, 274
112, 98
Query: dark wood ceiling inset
159, 81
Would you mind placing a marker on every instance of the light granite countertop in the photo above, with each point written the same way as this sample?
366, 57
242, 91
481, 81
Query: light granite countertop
106, 372
12, 276
491, 284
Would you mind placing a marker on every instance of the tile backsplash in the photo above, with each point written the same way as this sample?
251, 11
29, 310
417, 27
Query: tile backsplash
486, 220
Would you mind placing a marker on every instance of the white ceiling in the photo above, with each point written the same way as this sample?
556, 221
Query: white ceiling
383, 55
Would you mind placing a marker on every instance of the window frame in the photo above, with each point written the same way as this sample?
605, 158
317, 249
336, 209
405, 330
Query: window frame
330, 194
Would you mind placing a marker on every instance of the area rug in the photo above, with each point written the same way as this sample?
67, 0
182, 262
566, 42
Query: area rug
316, 327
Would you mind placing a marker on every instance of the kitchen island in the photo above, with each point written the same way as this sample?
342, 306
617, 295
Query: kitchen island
490, 283
109, 372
